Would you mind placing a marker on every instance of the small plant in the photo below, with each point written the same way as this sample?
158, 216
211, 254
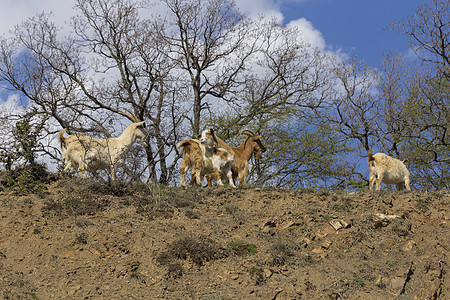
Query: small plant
81, 237
141, 278
191, 213
83, 222
282, 253
198, 250
237, 213
242, 248
37, 230
27, 179
175, 270
257, 274
344, 205
75, 204
358, 280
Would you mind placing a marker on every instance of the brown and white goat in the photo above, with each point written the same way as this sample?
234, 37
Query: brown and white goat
388, 170
204, 156
192, 159
242, 154
81, 152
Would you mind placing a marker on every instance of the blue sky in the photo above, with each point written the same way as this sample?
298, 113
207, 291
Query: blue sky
355, 26
351, 27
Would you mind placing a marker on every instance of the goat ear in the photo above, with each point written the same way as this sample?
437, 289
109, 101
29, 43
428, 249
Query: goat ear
257, 137
405, 161
213, 136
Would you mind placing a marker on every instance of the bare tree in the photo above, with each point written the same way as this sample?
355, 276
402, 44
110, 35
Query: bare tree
112, 62
427, 114
211, 42
428, 33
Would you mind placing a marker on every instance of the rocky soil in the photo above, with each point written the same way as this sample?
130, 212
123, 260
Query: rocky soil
81, 240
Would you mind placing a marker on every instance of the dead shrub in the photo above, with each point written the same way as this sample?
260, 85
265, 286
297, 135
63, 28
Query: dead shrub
257, 274
81, 237
175, 270
83, 222
191, 213
282, 253
237, 213
197, 250
75, 204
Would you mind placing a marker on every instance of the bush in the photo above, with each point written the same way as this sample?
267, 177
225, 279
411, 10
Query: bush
242, 248
198, 250
27, 179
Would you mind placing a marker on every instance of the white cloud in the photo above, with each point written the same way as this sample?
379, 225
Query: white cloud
13, 12
255, 7
309, 35
271, 9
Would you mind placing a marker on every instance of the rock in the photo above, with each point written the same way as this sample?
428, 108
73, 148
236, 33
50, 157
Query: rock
321, 234
409, 245
277, 291
382, 220
345, 223
328, 230
69, 255
326, 244
290, 224
269, 224
381, 282
386, 217
397, 284
317, 251
402, 277
311, 236
267, 273
306, 241
335, 224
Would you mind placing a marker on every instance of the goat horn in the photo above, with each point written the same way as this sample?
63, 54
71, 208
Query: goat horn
248, 132
130, 115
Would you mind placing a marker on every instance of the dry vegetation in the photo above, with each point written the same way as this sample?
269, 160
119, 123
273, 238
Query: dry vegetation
81, 240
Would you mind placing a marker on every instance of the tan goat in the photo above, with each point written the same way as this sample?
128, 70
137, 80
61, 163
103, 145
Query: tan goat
242, 154
192, 159
388, 170
81, 152
204, 156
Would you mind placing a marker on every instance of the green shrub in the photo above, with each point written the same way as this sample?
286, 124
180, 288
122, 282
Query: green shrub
27, 179
242, 248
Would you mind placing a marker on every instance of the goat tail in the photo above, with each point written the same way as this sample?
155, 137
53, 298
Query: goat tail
62, 139
184, 143
369, 155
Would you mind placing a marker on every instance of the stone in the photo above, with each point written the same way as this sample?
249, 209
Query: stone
409, 245
326, 244
336, 224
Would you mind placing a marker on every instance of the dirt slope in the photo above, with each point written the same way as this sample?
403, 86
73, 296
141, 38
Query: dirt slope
78, 241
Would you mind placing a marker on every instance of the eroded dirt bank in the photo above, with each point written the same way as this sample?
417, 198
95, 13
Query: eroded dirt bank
78, 241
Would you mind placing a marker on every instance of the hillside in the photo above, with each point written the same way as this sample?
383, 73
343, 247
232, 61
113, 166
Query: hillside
78, 240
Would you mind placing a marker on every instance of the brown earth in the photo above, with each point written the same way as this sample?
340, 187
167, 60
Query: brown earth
79, 240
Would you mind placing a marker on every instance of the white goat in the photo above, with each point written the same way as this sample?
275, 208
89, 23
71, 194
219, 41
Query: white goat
88, 153
205, 157
388, 170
